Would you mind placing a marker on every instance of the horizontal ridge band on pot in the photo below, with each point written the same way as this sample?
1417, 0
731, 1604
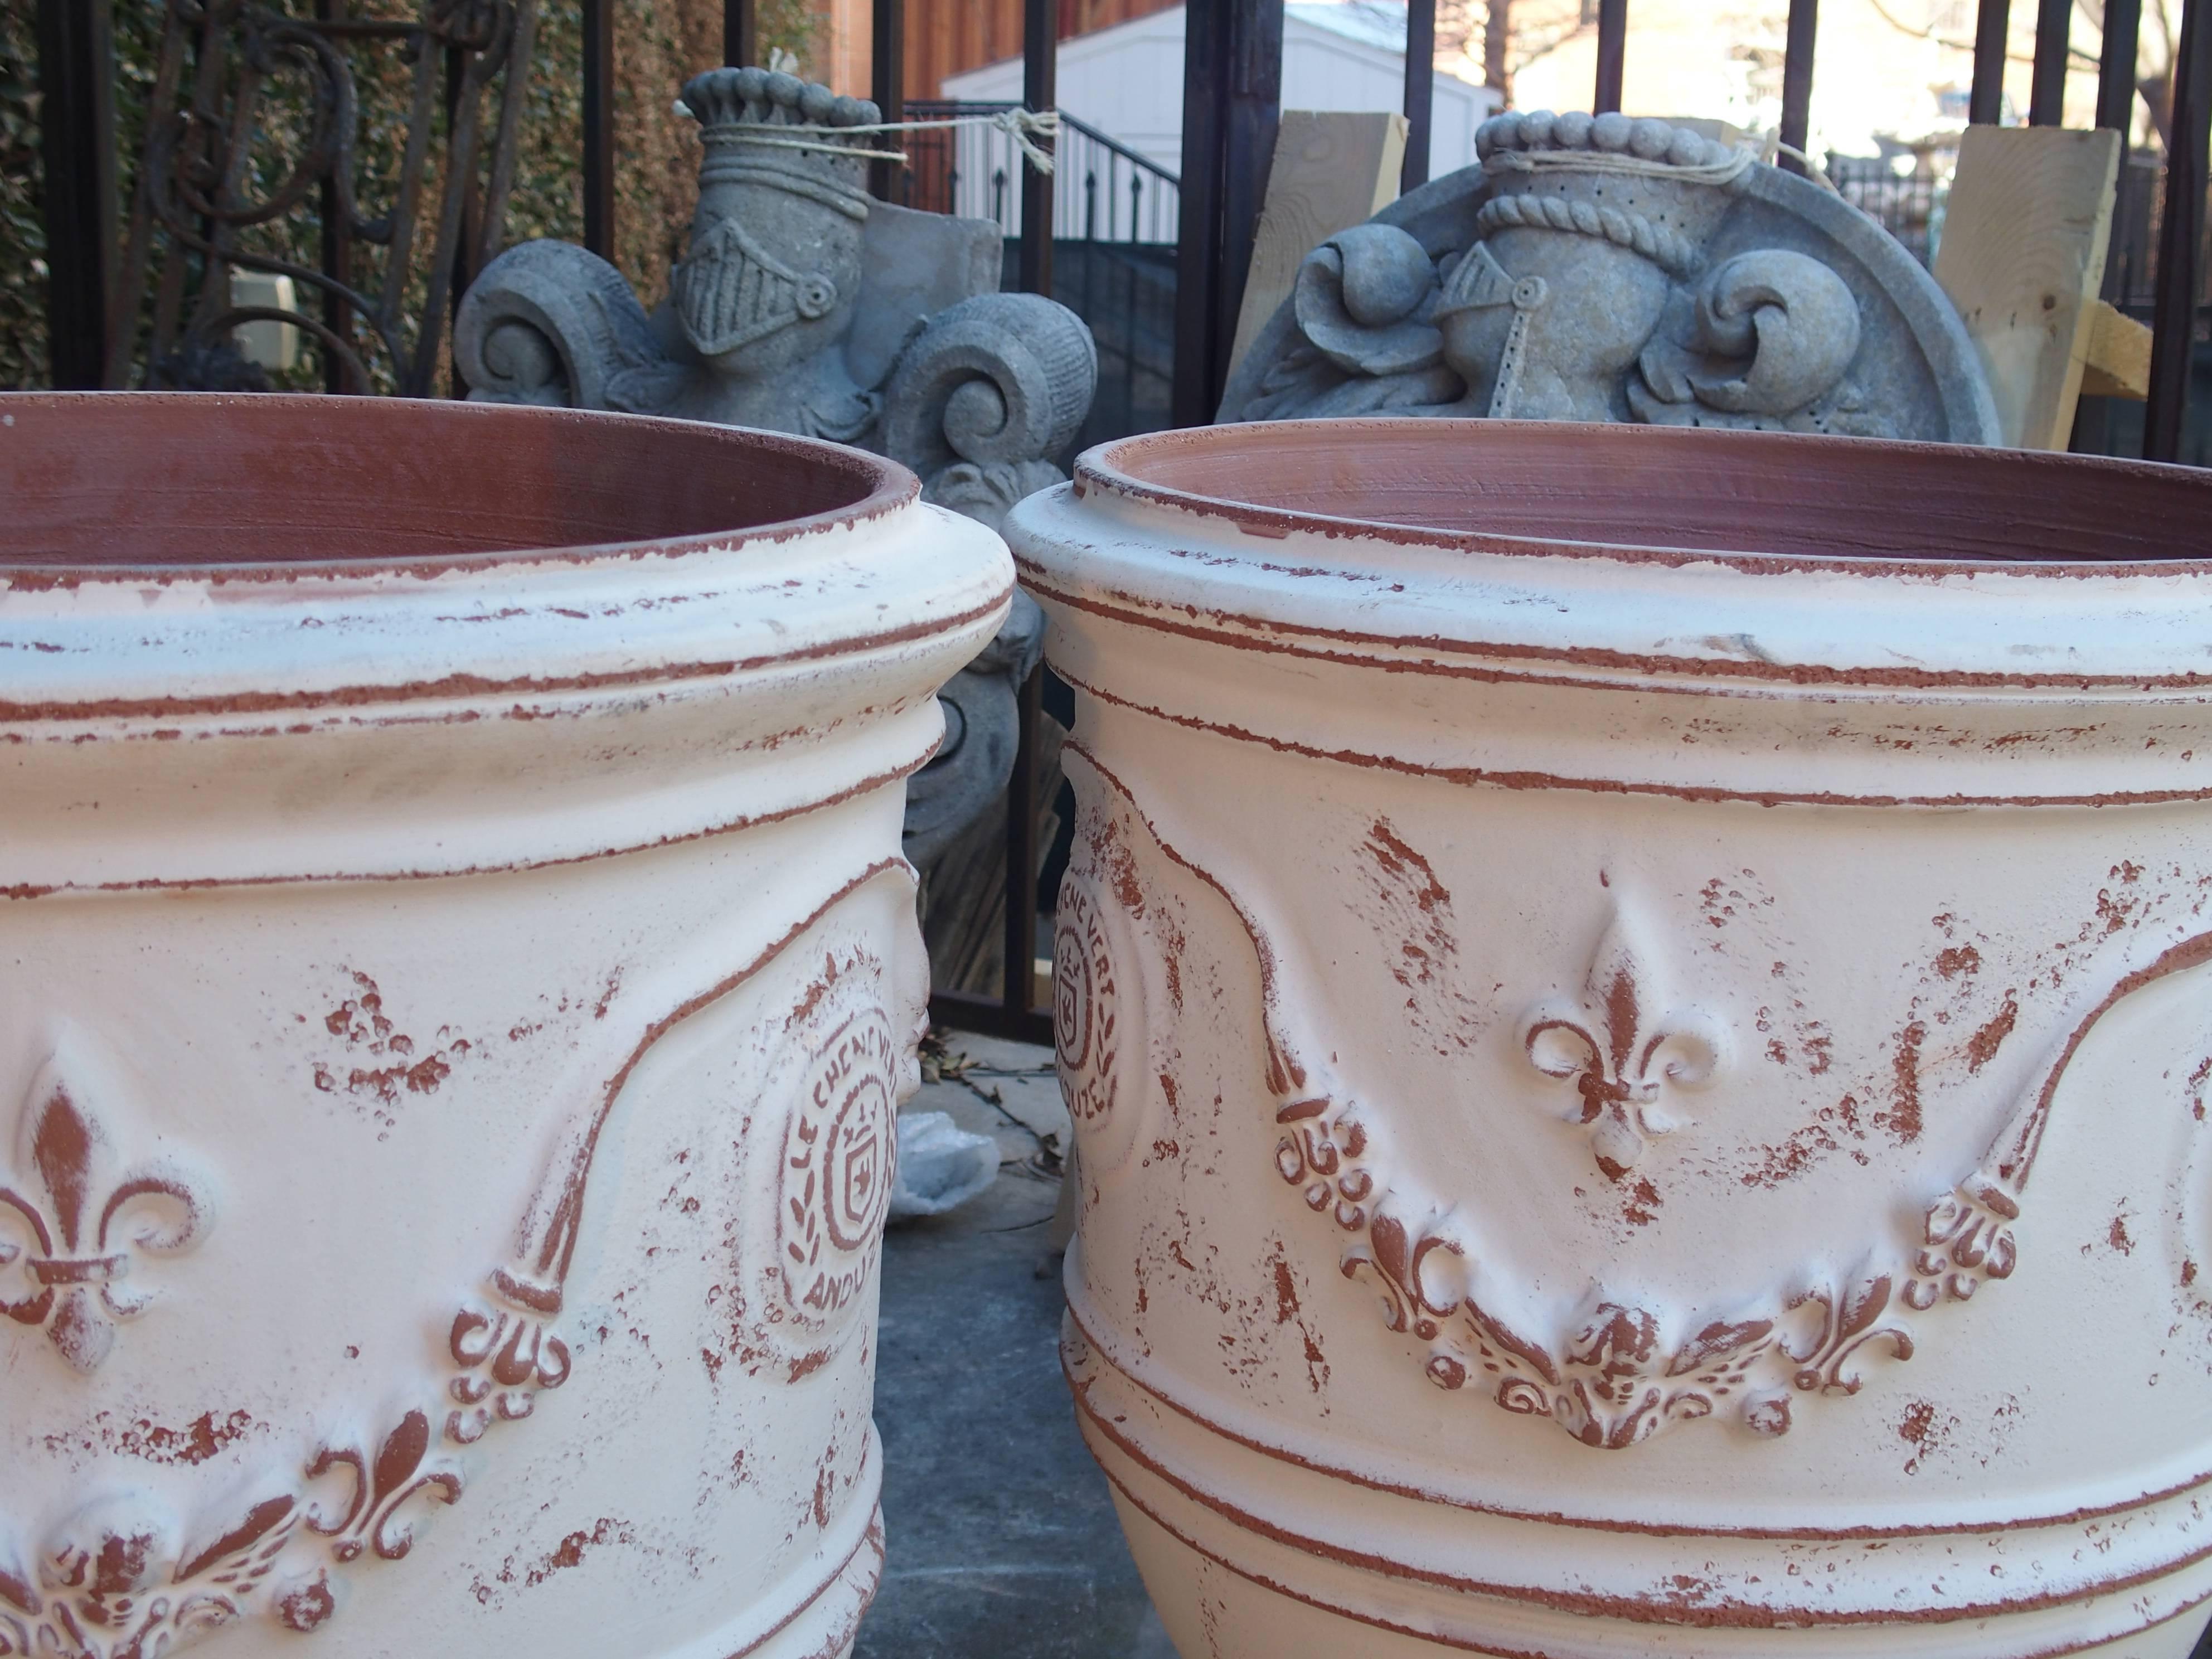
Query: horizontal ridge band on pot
1632, 1578
418, 572
1537, 661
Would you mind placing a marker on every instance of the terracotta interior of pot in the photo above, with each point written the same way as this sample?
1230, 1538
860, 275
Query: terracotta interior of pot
191, 479
1748, 492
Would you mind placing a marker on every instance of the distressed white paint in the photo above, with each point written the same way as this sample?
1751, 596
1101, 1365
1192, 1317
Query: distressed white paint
531, 902
1634, 1102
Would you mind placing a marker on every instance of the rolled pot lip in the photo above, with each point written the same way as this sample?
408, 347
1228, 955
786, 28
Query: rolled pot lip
1108, 466
890, 487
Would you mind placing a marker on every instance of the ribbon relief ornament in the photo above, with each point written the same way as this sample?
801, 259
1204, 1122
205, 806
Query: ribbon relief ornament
1615, 1372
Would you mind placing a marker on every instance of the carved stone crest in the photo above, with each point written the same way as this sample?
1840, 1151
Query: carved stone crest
1605, 269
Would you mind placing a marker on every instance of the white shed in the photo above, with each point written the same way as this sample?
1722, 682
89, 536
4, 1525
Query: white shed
1126, 81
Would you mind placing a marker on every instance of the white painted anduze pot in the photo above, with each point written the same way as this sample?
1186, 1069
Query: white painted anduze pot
456, 974
1636, 1006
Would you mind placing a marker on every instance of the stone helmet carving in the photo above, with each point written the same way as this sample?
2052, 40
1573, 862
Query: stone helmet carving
774, 262
1585, 290
1590, 223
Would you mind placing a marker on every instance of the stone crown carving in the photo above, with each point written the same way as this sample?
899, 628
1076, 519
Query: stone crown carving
1605, 269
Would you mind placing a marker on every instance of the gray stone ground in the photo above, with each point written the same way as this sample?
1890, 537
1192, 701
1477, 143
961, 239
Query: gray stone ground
1002, 1542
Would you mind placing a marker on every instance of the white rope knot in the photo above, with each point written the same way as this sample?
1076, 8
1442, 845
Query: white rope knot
1725, 171
1026, 127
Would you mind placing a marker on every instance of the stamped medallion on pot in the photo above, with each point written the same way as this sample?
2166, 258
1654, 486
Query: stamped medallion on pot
1083, 998
1098, 1027
837, 1165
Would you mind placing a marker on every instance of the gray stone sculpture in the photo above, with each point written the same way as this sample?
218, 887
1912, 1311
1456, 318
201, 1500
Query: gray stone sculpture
805, 306
1606, 268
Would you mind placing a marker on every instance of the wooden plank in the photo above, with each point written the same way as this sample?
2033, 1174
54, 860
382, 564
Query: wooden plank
2116, 361
1333, 168
2023, 258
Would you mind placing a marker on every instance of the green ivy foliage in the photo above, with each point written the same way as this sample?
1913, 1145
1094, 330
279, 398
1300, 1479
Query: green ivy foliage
22, 231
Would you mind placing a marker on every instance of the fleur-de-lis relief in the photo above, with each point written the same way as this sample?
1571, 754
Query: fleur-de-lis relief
68, 1236
1623, 1047
374, 1517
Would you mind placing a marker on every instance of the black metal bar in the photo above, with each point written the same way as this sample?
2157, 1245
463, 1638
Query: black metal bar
1198, 254
76, 121
599, 127
740, 33
2047, 96
337, 247
459, 61
887, 83
1797, 78
1040, 91
1420, 92
1612, 54
2180, 236
1986, 101
1019, 982
2116, 74
2116, 109
1247, 156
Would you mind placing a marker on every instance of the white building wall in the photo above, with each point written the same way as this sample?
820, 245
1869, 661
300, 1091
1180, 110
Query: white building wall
1127, 82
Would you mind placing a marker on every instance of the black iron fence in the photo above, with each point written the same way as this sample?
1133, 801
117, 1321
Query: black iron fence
1114, 213
1910, 205
1103, 191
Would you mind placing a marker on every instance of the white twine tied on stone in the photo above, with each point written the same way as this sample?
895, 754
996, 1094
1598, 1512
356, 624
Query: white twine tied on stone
1764, 147
1025, 126
1730, 166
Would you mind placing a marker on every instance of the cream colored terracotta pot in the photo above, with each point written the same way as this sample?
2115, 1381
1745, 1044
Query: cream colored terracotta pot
1637, 1007
457, 974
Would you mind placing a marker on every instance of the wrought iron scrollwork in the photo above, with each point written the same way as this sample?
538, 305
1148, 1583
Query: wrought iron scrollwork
218, 61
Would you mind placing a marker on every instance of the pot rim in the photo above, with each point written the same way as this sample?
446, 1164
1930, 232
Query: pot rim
2012, 481
880, 486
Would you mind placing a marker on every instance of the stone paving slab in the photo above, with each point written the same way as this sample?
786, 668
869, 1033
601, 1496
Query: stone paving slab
1001, 1538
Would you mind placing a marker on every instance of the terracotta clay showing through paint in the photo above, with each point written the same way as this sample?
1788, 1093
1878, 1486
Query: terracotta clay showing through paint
457, 980
1631, 1002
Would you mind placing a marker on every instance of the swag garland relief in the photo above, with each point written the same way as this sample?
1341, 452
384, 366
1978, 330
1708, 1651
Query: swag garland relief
125, 1576
1623, 1063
